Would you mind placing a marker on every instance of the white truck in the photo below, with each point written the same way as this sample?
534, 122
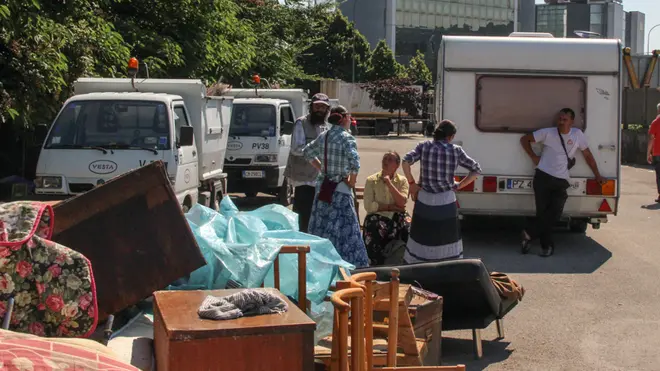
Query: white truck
111, 126
498, 88
260, 140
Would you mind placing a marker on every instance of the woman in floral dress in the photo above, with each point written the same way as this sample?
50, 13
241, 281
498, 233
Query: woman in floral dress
334, 154
385, 196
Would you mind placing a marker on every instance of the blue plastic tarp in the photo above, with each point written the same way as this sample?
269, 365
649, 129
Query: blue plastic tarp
242, 246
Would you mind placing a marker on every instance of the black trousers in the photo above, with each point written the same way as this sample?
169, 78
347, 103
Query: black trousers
656, 165
550, 196
303, 200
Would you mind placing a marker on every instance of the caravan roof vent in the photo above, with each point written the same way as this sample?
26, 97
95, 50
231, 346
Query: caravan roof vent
531, 34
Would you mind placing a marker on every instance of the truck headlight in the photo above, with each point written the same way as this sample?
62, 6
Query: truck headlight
266, 158
51, 182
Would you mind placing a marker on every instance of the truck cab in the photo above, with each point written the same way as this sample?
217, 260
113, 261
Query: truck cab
260, 140
258, 147
108, 128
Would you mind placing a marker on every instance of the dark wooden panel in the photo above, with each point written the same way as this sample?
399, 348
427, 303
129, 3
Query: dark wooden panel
134, 232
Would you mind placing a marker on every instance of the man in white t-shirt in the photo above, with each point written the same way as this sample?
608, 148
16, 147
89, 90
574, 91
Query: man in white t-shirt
552, 175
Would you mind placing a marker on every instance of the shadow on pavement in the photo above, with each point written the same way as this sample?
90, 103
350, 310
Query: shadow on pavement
497, 243
460, 351
653, 206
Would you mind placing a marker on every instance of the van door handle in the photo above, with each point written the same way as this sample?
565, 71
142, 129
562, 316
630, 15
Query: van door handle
610, 147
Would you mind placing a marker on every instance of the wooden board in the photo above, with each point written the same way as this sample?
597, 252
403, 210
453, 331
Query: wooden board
133, 231
183, 341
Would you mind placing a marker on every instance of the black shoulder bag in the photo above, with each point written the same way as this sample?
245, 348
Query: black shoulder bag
571, 161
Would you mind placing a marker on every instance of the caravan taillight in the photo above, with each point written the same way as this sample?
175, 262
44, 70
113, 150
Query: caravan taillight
489, 184
596, 189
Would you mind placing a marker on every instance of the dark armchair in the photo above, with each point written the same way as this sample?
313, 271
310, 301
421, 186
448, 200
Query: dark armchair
470, 301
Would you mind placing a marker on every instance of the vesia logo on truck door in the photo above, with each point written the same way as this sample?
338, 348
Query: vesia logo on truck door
103, 167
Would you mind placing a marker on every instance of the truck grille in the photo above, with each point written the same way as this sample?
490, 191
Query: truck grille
239, 161
80, 187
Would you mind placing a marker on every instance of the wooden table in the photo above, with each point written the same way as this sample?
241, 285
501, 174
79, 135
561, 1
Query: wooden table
183, 341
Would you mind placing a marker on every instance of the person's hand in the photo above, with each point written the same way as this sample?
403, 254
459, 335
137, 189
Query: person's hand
414, 190
600, 179
649, 159
536, 159
397, 209
387, 180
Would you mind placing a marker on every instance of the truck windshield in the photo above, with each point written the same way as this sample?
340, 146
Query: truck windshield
111, 124
253, 120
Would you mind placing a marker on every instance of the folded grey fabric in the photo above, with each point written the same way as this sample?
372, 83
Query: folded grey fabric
244, 303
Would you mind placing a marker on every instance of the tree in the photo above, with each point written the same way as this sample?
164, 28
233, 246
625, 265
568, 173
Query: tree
332, 46
396, 94
418, 72
383, 65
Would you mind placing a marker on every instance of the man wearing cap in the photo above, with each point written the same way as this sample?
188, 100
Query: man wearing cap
299, 171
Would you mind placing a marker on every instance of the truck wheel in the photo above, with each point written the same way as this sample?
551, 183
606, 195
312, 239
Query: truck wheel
285, 194
251, 194
578, 226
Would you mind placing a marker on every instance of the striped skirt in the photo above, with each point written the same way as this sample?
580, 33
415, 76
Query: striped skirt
435, 233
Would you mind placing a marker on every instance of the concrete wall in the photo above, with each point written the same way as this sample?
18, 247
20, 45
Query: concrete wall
526, 16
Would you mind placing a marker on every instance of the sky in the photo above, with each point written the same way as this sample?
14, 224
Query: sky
652, 18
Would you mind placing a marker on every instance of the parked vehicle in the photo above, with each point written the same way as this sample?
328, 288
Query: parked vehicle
111, 126
498, 88
260, 140
370, 118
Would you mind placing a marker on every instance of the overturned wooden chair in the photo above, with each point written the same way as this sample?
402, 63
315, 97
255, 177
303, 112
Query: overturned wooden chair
352, 300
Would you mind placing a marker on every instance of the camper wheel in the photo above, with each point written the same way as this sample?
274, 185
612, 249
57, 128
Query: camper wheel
578, 225
187, 204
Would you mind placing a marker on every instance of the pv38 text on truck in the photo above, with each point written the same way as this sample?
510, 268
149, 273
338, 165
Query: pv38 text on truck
498, 88
111, 126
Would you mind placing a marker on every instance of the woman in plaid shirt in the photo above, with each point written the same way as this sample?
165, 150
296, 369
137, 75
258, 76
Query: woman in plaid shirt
334, 153
435, 233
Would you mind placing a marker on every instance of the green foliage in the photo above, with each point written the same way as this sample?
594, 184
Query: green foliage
418, 71
46, 45
396, 94
383, 65
330, 55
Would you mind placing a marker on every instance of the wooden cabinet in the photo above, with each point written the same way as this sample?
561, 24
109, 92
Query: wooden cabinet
183, 341
426, 317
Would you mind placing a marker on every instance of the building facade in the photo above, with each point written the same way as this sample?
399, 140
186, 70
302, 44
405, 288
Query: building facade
567, 19
411, 25
635, 32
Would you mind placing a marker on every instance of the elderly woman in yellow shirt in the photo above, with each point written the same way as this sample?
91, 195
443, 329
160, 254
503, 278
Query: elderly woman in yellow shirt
385, 196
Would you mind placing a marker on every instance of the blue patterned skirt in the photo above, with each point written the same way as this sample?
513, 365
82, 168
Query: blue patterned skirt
338, 223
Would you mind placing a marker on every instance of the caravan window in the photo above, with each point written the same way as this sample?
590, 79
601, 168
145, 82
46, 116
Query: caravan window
521, 104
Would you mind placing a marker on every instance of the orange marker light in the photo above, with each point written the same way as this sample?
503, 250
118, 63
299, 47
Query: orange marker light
256, 79
133, 63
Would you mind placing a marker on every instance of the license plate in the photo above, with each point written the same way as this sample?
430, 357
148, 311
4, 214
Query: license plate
518, 184
253, 174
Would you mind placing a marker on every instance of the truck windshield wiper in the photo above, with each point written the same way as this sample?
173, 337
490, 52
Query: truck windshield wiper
78, 146
126, 146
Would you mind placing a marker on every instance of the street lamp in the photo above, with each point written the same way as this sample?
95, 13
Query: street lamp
648, 39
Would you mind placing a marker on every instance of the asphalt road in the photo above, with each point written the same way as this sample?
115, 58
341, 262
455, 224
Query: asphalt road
594, 305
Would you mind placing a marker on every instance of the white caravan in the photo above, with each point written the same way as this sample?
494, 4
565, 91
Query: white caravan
111, 126
498, 88
260, 140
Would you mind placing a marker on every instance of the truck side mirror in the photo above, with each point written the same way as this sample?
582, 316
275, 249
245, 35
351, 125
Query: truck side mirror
186, 135
40, 132
287, 128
